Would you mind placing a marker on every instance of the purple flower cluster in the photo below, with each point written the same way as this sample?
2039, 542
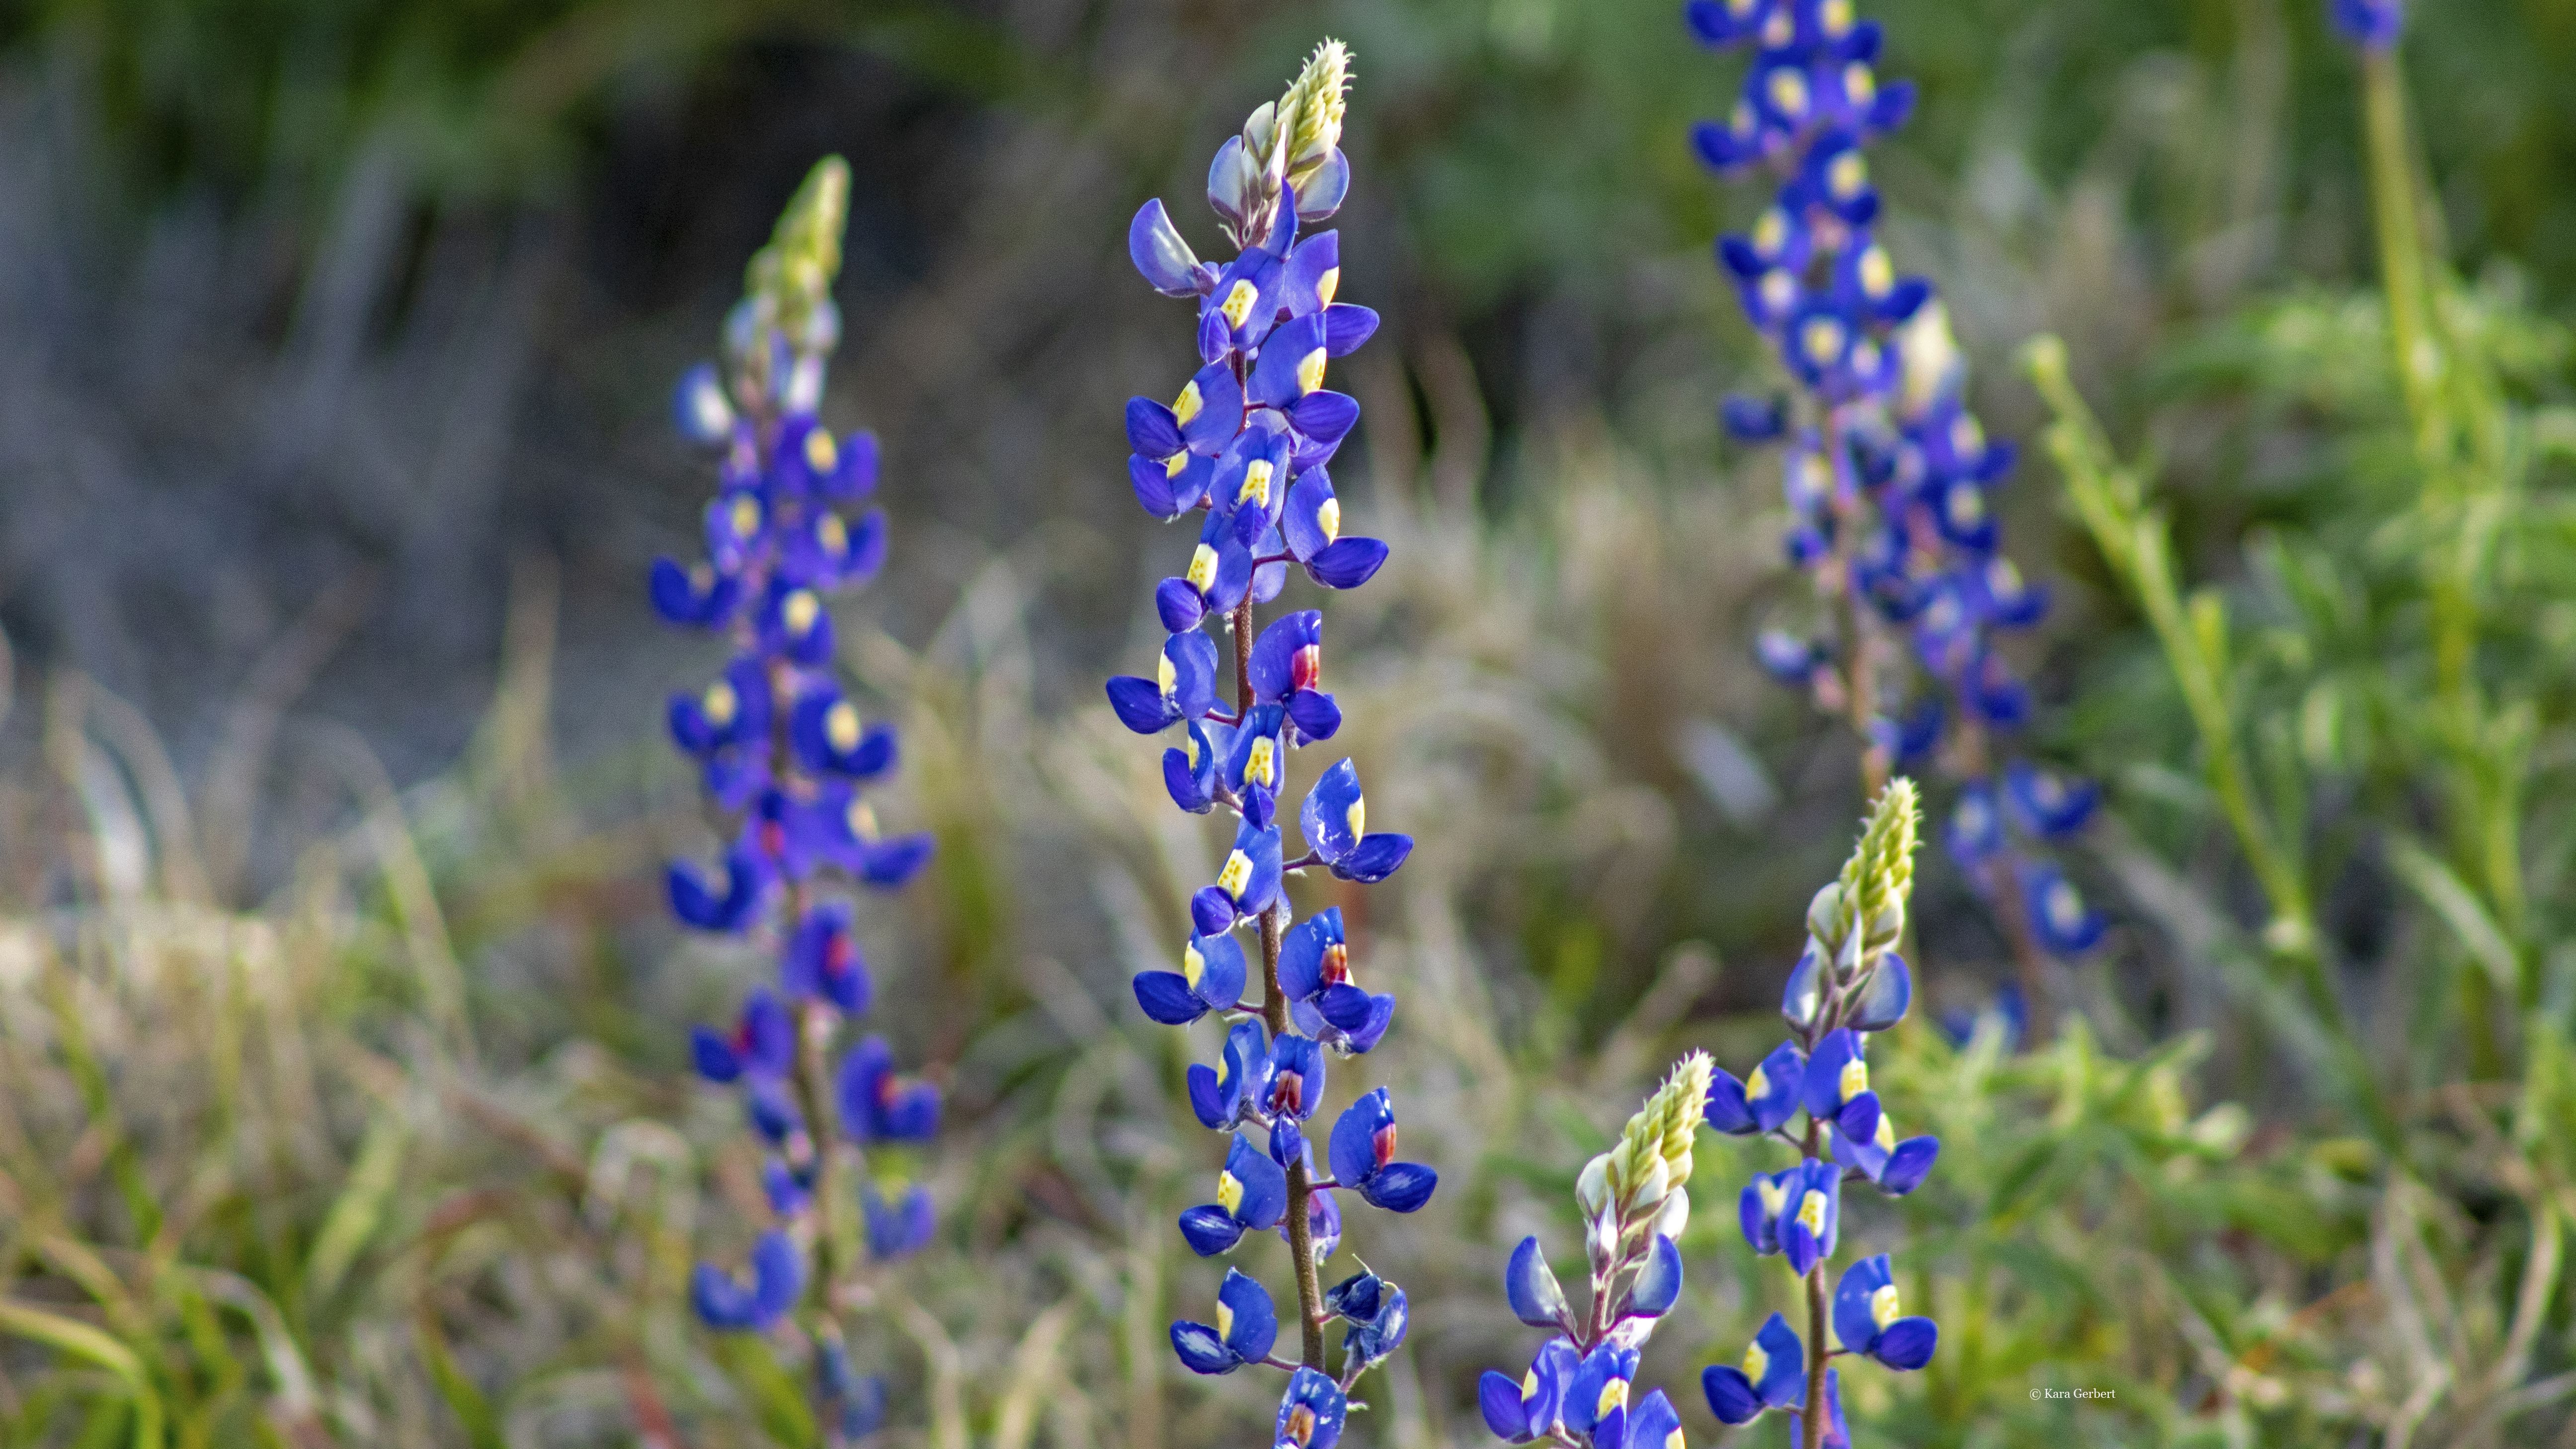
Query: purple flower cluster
2375, 25
1887, 474
1245, 444
787, 754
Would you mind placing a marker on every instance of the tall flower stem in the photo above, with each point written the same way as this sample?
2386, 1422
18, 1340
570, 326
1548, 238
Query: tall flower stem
1274, 1015
1812, 1426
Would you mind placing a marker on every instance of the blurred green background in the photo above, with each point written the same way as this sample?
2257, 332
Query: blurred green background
341, 1066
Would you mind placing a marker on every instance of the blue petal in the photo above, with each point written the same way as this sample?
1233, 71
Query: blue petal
1730, 1394
1256, 1322
1727, 1109
1166, 997
1659, 1283
1210, 1230
1140, 705
1161, 257
1907, 1343
1908, 1165
1883, 1002
1536, 1297
1400, 1187
1201, 1351
1500, 1399
1784, 1374
1377, 858
1347, 563
1852, 1321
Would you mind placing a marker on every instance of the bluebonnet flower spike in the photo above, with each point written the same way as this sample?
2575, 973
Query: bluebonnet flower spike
778, 745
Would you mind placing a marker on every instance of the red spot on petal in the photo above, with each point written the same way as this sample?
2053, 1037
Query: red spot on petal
1382, 1142
1306, 667
1337, 964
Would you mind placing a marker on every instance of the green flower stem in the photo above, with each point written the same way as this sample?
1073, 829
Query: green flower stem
2134, 540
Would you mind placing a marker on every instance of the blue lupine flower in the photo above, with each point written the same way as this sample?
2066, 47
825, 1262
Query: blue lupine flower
1245, 1328
1764, 1202
1774, 1376
2008, 1013
826, 734
2047, 804
762, 1043
1596, 1401
1183, 689
1807, 1234
1897, 1168
1534, 1408
2058, 915
1287, 668
1654, 1425
1296, 1077
1246, 442
1883, 999
1234, 1089
1324, 1002
1211, 978
1378, 1316
823, 963
1363, 1157
1310, 1413
1532, 1289
728, 901
1335, 821
1763, 1102
1869, 1321
1659, 1283
1245, 885
899, 1228
1916, 543
1836, 1087
730, 1304
1975, 830
879, 1106
2371, 24
1251, 1193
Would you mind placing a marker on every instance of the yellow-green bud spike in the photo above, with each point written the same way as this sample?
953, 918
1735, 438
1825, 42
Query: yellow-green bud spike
1683, 1103
1880, 874
790, 278
1312, 109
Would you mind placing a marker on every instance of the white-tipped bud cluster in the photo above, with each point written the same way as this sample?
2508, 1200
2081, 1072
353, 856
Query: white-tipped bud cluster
1861, 916
1639, 1187
789, 281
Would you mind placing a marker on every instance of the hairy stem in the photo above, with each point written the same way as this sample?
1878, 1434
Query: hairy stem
1274, 1015
1812, 1426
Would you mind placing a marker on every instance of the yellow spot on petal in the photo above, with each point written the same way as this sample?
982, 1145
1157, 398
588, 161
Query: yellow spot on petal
1886, 1133
1847, 174
1301, 1425
862, 820
1187, 405
1357, 817
1882, 1305
1877, 273
1310, 371
1836, 16
1779, 290
841, 726
821, 454
1779, 30
1774, 1197
1771, 233
1224, 1319
832, 534
1257, 766
1614, 1395
1855, 1078
1328, 519
1823, 339
720, 704
1229, 1192
1256, 483
1756, 1362
1327, 285
1529, 1383
800, 611
1673, 1440
1789, 92
1757, 1086
1166, 676
1236, 875
1238, 302
2065, 907
1173, 465
1860, 83
1193, 966
745, 516
1811, 1212
1202, 574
